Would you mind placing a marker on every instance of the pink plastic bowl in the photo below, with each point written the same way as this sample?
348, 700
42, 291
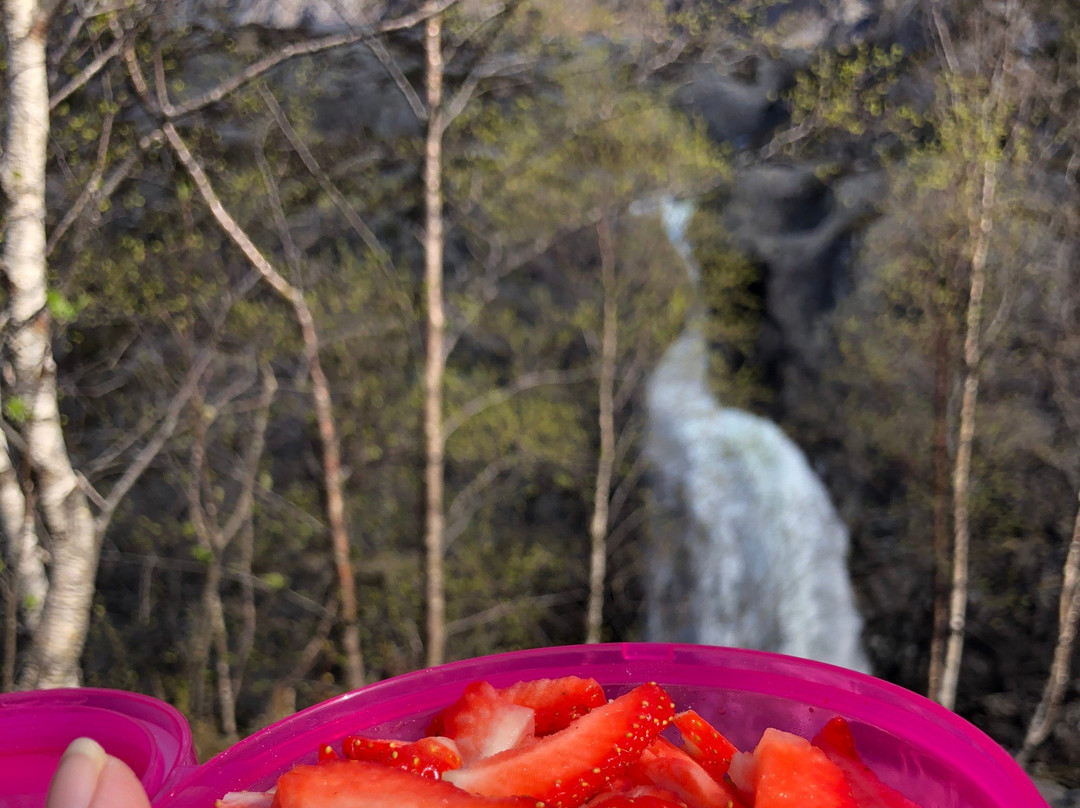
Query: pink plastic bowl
927, 752
35, 728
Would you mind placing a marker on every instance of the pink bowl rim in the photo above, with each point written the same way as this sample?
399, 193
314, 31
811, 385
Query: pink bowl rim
881, 704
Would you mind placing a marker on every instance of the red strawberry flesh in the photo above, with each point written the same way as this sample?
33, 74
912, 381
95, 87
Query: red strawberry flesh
557, 701
362, 784
705, 744
483, 722
428, 757
567, 768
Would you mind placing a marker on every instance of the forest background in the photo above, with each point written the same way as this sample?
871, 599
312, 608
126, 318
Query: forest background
327, 328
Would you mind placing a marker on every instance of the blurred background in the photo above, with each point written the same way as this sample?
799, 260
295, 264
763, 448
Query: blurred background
342, 338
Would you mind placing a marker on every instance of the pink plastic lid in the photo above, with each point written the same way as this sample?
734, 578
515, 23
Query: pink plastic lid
927, 752
36, 727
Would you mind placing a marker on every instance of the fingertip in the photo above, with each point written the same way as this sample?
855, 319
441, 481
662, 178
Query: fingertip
76, 778
118, 787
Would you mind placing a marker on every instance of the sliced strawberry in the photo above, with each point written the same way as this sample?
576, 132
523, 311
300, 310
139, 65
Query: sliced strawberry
428, 757
836, 741
638, 797
785, 771
669, 767
574, 764
705, 744
326, 752
361, 784
483, 722
557, 702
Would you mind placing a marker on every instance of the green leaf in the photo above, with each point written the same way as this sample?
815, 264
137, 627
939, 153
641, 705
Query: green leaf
274, 580
17, 410
202, 554
62, 309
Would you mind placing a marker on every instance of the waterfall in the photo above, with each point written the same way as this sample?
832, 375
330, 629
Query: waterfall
748, 550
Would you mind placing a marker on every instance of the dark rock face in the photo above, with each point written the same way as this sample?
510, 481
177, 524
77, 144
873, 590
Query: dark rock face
800, 229
799, 222
737, 111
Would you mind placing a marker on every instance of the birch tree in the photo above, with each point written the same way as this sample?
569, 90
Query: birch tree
605, 461
979, 115
74, 541
435, 351
1057, 683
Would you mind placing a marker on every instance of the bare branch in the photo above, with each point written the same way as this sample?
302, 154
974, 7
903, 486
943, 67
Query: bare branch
231, 573
96, 190
485, 70
291, 251
302, 48
527, 381
80, 80
484, 288
470, 498
390, 63
382, 255
320, 390
500, 610
250, 467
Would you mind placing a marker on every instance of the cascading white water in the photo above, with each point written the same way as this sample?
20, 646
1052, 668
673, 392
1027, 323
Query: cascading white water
748, 550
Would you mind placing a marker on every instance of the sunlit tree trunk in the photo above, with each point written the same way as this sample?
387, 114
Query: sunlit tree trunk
942, 367
58, 642
981, 226
435, 360
598, 526
23, 555
1042, 722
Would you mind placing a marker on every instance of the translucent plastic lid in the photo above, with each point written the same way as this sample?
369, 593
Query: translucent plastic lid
36, 727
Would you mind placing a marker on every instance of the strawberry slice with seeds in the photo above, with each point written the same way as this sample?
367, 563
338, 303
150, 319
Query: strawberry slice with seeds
669, 767
428, 757
705, 744
557, 701
483, 722
837, 742
362, 784
569, 767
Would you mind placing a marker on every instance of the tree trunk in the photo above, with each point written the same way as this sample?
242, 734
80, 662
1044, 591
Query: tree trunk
58, 642
335, 501
225, 692
23, 554
323, 404
435, 360
941, 508
598, 526
981, 226
1042, 722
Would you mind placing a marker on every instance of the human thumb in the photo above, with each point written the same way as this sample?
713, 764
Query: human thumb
87, 777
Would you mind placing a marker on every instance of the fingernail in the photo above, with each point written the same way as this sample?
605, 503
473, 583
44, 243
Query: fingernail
77, 775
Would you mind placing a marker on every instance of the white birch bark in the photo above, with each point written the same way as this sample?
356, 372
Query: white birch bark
22, 551
61, 634
435, 361
598, 526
